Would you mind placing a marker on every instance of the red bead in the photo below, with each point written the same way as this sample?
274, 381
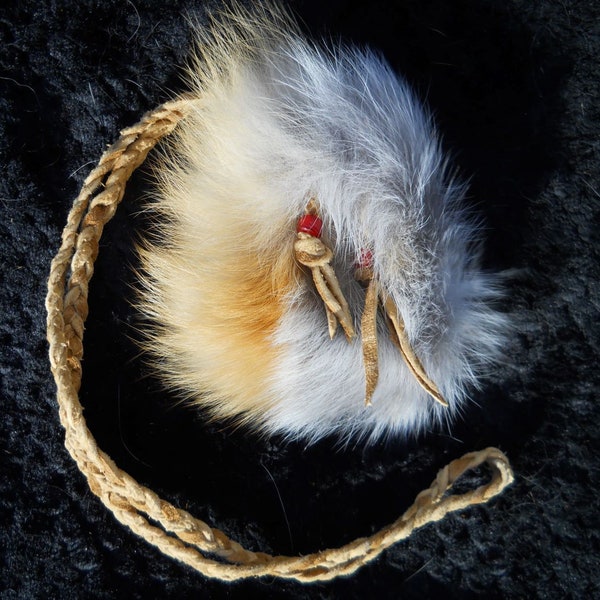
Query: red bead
365, 260
310, 224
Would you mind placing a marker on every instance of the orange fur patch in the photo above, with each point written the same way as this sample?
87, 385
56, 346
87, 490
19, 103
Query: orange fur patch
215, 304
244, 303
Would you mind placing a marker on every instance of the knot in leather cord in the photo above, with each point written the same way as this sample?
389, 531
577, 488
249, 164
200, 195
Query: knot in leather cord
311, 251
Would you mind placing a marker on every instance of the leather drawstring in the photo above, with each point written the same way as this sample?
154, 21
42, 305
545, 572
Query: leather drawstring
312, 252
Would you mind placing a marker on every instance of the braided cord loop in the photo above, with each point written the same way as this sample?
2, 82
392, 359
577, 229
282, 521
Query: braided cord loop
174, 531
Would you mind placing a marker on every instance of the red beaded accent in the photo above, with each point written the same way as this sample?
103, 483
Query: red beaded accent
365, 260
310, 224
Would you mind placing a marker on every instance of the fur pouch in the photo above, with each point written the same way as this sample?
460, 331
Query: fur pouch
312, 269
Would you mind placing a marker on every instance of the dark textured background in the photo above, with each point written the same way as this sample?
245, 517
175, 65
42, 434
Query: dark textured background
514, 86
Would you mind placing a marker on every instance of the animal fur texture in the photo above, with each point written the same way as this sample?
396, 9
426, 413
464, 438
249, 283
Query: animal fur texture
235, 323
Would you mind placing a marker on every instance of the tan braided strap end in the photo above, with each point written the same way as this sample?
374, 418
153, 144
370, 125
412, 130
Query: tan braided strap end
174, 531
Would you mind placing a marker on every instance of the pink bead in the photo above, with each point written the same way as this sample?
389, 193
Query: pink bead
365, 260
310, 224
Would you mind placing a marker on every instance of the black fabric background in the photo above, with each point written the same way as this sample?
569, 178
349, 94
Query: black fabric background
514, 86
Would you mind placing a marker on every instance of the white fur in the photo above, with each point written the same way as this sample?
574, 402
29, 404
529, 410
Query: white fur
282, 120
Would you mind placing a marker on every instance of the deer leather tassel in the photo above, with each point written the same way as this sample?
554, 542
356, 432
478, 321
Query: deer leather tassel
368, 325
313, 253
373, 296
412, 361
